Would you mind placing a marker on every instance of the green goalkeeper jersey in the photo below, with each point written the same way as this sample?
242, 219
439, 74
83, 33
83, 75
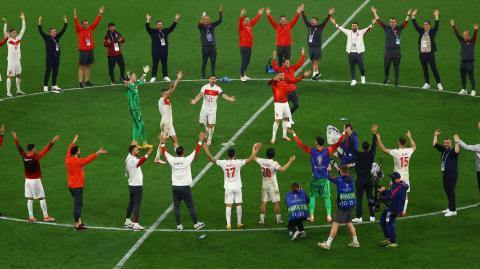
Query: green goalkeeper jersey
132, 95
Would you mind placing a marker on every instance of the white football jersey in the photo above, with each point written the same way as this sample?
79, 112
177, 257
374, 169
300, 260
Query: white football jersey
210, 96
181, 171
401, 161
231, 172
13, 44
134, 173
269, 171
165, 108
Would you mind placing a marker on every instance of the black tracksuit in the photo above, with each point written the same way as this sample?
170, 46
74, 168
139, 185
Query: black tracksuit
450, 173
114, 56
52, 49
428, 58
209, 45
136, 193
392, 49
314, 38
160, 47
467, 58
364, 183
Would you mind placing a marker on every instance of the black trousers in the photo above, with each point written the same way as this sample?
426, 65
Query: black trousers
245, 53
389, 58
364, 184
183, 193
51, 66
449, 184
136, 193
427, 59
478, 181
112, 61
158, 56
296, 224
283, 53
77, 194
355, 58
293, 98
467, 68
209, 52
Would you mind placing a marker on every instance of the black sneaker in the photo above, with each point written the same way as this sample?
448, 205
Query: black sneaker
81, 84
1, 215
385, 81
112, 82
88, 83
396, 83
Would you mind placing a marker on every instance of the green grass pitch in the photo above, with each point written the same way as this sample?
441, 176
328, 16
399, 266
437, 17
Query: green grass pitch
101, 118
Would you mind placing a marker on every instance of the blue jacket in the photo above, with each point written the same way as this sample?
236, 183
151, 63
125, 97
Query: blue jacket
396, 197
348, 149
297, 204
345, 191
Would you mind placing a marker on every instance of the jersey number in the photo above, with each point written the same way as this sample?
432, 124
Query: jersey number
266, 172
230, 172
404, 162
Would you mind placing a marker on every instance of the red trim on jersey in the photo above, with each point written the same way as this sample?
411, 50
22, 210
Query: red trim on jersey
166, 101
141, 161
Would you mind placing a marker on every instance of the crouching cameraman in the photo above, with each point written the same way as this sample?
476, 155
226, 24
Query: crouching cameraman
394, 199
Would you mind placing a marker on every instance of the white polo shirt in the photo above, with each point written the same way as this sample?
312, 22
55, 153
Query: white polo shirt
132, 172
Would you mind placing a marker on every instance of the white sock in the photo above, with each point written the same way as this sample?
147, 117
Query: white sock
30, 208
329, 241
228, 214
354, 239
239, 214
405, 206
9, 84
43, 205
279, 217
262, 217
284, 128
274, 130
210, 135
18, 81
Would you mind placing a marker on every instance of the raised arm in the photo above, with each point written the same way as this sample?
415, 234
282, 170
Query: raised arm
255, 19
325, 21
173, 25
287, 165
300, 62
2, 129
42, 33
412, 142
22, 31
436, 14
209, 156
17, 143
333, 148
474, 148
64, 28
78, 28
2, 42
255, 148
48, 147
415, 24
455, 31
373, 146
5, 27
381, 146
220, 17
270, 18
147, 24
299, 142
174, 85
294, 21
475, 33
405, 22
436, 133
274, 61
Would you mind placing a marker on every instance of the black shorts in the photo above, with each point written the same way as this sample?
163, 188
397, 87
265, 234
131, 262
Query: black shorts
315, 53
343, 215
86, 57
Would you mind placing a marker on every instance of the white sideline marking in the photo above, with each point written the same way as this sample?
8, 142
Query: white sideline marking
223, 230
132, 250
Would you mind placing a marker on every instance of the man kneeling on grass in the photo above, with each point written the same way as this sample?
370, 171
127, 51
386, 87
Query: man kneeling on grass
345, 202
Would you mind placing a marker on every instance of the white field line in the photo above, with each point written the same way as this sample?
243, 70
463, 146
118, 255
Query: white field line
223, 230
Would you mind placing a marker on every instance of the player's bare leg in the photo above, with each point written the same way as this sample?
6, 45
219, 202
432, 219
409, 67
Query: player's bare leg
43, 206
276, 123
9, 85
285, 126
315, 74
18, 81
278, 214
228, 216
87, 75
210, 129
31, 218
81, 75
263, 209
404, 212
239, 216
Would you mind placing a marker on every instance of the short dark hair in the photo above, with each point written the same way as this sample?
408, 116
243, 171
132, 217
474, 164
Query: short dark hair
30, 147
315, 18
355, 22
283, 16
344, 169
295, 185
179, 151
393, 18
320, 141
111, 24
131, 148
349, 125
158, 21
84, 20
11, 30
429, 22
51, 28
402, 141
212, 75
270, 153
231, 152
365, 145
281, 71
74, 150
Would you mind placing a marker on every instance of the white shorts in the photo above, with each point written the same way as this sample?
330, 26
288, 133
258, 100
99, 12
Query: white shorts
166, 128
282, 110
233, 196
34, 189
208, 116
14, 68
270, 194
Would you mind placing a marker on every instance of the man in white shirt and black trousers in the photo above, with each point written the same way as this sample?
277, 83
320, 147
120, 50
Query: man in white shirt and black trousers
182, 180
133, 172
355, 48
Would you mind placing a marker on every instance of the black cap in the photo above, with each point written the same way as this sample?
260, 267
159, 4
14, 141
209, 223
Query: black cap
395, 175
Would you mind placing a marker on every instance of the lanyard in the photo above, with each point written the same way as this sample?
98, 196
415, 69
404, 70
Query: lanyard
444, 158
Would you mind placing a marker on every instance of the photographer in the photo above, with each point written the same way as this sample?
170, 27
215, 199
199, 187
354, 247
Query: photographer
394, 199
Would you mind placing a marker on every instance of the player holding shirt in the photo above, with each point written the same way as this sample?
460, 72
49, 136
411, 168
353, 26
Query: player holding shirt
14, 68
33, 176
134, 107
281, 88
245, 27
320, 158
401, 160
233, 181
283, 34
289, 71
208, 113
270, 190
